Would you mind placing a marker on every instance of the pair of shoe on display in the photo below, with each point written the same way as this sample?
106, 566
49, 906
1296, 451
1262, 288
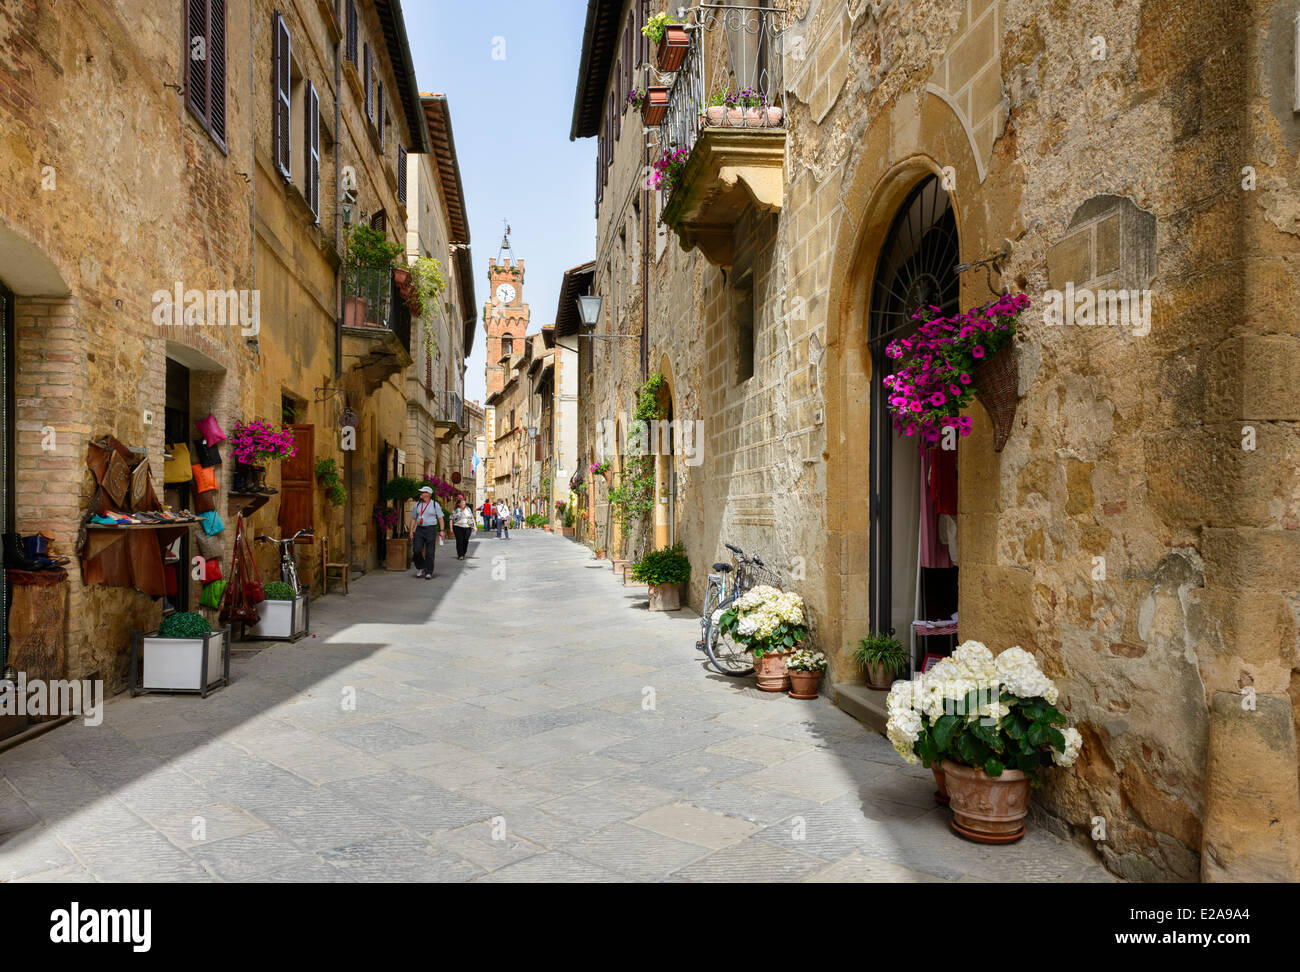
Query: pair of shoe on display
30, 553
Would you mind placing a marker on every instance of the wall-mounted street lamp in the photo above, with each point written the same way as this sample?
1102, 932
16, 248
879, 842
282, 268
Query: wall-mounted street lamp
589, 306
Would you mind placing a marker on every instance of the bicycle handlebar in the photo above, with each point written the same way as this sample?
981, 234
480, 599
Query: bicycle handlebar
265, 539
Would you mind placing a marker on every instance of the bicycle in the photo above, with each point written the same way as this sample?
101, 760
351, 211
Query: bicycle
726, 654
288, 566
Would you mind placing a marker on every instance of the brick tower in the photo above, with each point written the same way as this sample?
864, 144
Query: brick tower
505, 319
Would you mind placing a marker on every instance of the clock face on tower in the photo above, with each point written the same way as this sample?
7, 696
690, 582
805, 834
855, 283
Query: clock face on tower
505, 293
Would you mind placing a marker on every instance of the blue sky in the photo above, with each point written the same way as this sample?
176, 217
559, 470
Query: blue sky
510, 117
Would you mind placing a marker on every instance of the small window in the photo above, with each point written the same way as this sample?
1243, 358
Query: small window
205, 65
743, 330
507, 345
379, 221
351, 48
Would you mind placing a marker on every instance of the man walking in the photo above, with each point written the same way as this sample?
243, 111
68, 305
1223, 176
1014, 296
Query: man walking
428, 528
503, 518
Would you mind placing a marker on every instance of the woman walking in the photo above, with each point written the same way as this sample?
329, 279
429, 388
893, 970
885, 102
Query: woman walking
462, 523
502, 510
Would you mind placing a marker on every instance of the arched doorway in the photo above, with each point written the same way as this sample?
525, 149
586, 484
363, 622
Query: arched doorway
914, 270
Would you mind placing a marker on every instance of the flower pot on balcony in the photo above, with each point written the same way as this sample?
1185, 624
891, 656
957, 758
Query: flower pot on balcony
755, 117
775, 117
655, 106
665, 597
987, 809
715, 115
736, 117
672, 48
354, 312
402, 277
397, 555
770, 667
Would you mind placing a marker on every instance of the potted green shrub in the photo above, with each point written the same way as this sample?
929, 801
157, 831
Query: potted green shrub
881, 656
184, 655
283, 615
367, 266
398, 490
665, 570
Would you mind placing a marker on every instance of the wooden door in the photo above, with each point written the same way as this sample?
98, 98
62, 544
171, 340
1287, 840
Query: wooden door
297, 479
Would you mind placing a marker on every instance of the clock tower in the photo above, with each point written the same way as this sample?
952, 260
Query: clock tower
505, 319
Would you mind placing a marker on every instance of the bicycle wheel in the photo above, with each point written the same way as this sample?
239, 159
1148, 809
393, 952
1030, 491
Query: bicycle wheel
711, 596
726, 654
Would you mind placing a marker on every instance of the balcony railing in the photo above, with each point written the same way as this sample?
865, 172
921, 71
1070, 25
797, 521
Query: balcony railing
371, 299
734, 59
449, 407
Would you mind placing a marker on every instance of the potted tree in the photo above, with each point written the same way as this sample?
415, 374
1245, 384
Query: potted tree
283, 615
880, 656
367, 264
991, 724
771, 624
805, 668
184, 655
665, 570
398, 490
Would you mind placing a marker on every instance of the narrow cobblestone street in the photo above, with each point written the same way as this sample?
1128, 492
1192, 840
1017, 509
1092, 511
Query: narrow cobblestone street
499, 734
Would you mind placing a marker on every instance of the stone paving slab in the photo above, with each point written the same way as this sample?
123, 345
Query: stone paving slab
548, 728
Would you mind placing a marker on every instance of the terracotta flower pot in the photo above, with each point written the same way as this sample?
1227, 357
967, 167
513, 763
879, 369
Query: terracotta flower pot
354, 312
803, 685
736, 117
941, 794
714, 115
879, 676
672, 48
402, 277
665, 597
609, 476
987, 809
772, 674
774, 117
600, 554
755, 117
619, 567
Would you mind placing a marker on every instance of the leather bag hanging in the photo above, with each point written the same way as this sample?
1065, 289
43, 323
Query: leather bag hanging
211, 570
205, 479
235, 603
178, 469
209, 547
206, 455
210, 430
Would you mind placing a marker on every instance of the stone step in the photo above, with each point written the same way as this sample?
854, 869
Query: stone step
867, 705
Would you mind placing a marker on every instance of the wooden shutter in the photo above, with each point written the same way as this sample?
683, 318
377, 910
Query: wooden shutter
217, 69
351, 47
401, 174
280, 58
297, 481
311, 158
367, 76
380, 120
196, 38
643, 52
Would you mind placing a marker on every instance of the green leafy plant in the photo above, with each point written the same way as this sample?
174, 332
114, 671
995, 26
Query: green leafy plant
331, 480
656, 26
426, 273
398, 490
667, 565
568, 515
369, 254
882, 649
278, 591
535, 520
634, 497
184, 624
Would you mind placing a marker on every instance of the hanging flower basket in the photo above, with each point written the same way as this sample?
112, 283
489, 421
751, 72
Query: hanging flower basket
655, 106
945, 361
997, 384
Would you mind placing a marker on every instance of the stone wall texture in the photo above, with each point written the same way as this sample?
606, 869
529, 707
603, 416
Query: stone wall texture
1138, 532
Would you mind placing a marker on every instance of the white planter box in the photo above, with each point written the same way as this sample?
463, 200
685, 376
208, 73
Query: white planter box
195, 665
280, 619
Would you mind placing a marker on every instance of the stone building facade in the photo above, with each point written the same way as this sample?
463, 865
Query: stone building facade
1138, 531
194, 148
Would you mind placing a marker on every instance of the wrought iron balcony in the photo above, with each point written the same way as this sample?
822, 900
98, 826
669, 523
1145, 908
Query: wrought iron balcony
376, 325
722, 139
449, 414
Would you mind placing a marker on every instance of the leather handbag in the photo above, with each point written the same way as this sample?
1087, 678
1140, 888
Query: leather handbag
211, 596
205, 479
210, 430
178, 469
205, 502
211, 570
206, 455
117, 481
235, 603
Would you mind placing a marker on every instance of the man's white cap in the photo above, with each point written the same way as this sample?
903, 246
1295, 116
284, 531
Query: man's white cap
427, 489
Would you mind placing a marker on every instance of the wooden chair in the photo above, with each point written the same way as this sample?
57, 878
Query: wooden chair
343, 569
